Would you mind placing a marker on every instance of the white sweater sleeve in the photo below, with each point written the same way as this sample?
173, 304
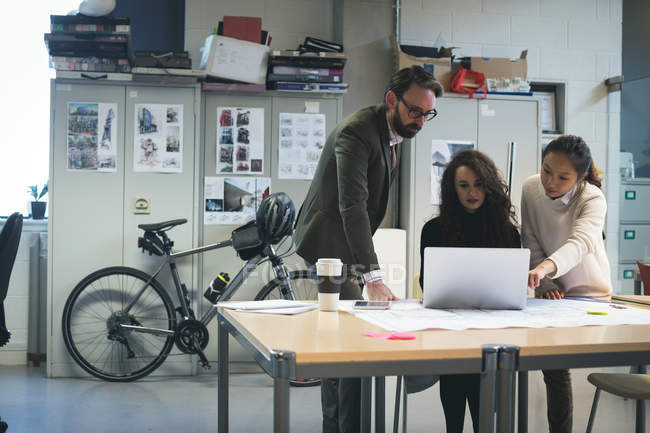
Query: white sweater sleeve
528, 238
585, 236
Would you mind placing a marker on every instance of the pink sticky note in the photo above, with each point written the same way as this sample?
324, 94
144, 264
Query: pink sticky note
377, 334
401, 336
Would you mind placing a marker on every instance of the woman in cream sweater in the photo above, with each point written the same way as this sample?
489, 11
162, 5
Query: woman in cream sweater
562, 218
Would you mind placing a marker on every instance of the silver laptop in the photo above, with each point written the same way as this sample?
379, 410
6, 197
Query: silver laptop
489, 278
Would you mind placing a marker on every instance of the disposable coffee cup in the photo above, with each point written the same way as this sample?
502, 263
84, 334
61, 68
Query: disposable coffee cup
329, 272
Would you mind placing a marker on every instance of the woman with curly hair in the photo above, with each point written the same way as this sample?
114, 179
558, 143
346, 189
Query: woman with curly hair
562, 218
475, 212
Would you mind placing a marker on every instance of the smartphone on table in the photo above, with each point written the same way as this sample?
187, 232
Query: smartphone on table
372, 305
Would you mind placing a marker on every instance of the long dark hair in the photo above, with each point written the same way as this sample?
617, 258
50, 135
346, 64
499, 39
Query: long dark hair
578, 152
497, 211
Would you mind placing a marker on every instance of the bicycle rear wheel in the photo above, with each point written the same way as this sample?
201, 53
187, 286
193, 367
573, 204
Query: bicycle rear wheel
305, 288
94, 312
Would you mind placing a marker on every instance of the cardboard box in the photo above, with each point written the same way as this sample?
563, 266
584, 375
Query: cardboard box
234, 59
439, 68
498, 67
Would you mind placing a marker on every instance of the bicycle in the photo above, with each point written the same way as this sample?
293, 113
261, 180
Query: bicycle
120, 324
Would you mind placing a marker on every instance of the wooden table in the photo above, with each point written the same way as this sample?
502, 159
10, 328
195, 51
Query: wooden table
325, 344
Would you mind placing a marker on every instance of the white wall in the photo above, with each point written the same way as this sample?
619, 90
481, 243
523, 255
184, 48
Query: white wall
574, 40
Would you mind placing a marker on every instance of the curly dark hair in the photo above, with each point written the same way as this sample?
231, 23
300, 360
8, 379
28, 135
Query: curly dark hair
497, 209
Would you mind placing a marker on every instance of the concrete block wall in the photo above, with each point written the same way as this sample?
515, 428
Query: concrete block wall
578, 41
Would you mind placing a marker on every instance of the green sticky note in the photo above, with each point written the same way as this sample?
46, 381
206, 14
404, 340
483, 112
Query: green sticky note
628, 275
630, 195
629, 234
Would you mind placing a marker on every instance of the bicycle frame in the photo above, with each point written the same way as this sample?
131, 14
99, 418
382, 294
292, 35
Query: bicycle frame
279, 270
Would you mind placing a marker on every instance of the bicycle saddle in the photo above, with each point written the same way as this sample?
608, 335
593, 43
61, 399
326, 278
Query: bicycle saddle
165, 225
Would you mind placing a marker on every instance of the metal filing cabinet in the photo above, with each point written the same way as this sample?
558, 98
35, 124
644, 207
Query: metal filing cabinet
634, 230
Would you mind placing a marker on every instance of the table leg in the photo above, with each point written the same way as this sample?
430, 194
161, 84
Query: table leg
283, 363
488, 388
366, 396
380, 404
508, 357
640, 407
522, 404
280, 405
222, 377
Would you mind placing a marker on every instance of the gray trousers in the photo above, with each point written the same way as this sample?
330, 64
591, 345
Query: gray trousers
559, 400
341, 397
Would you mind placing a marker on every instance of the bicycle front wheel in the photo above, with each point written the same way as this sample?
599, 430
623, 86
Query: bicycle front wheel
303, 284
95, 312
305, 288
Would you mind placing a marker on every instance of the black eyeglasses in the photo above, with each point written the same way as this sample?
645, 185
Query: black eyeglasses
416, 113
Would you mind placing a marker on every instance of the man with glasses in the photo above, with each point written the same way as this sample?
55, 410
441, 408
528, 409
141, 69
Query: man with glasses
347, 201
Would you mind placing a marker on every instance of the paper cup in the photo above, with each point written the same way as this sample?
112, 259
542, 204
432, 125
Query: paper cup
329, 273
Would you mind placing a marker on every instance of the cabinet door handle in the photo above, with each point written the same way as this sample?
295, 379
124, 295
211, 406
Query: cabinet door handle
512, 150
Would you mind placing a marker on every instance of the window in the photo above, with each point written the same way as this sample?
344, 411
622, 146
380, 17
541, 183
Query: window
25, 95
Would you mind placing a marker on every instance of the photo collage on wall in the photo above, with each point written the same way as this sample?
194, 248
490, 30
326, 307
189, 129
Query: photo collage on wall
240, 140
234, 200
92, 136
442, 151
302, 138
158, 138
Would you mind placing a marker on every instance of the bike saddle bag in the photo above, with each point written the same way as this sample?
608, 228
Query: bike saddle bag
151, 242
246, 241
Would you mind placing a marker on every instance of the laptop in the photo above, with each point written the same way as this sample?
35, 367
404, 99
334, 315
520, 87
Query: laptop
487, 278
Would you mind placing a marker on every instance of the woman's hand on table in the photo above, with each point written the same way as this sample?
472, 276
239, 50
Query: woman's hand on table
551, 294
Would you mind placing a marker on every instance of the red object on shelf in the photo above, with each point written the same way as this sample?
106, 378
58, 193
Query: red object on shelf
243, 28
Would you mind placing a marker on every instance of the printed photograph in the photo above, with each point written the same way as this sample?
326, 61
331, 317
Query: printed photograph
286, 132
80, 109
172, 143
86, 125
242, 153
243, 117
147, 122
171, 163
213, 205
148, 150
243, 136
225, 118
256, 165
226, 136
172, 115
225, 154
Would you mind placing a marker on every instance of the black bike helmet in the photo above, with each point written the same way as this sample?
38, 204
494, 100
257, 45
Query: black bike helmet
275, 217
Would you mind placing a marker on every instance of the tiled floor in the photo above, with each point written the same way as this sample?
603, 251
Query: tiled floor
31, 403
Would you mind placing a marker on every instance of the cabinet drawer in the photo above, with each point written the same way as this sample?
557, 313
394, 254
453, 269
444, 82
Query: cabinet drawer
634, 242
635, 203
626, 273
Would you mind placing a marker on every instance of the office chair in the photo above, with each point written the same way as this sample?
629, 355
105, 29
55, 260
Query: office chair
644, 270
412, 384
632, 386
9, 240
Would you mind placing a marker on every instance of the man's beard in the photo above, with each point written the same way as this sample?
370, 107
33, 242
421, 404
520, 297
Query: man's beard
405, 131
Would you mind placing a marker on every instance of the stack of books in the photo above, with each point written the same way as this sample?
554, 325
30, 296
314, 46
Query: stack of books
306, 71
89, 44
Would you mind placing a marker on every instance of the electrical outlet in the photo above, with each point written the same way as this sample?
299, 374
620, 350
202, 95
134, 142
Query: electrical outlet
141, 205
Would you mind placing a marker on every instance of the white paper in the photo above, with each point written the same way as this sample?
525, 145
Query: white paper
240, 140
302, 138
158, 138
92, 136
233, 200
270, 306
442, 151
538, 313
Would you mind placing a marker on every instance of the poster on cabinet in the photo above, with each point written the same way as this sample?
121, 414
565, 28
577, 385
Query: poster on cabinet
158, 138
240, 140
92, 136
302, 138
442, 151
233, 200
